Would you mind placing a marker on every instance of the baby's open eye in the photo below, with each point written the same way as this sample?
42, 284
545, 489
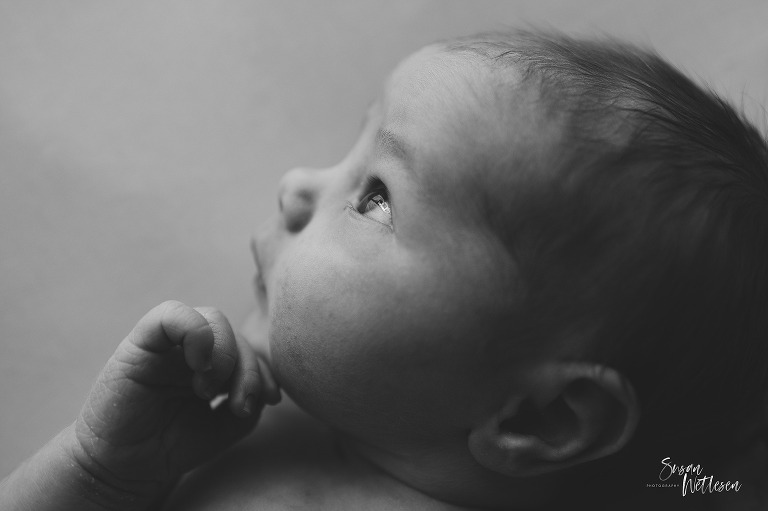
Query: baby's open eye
375, 203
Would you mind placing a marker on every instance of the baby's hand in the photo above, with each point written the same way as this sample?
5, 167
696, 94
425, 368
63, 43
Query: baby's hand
148, 418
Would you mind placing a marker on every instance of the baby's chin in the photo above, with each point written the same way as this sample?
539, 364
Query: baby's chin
255, 330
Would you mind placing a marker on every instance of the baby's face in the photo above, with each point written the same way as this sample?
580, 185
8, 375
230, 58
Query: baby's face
382, 283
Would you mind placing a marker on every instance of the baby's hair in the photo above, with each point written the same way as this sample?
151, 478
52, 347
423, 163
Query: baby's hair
650, 241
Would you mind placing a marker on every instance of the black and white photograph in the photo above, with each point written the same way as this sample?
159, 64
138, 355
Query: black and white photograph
358, 255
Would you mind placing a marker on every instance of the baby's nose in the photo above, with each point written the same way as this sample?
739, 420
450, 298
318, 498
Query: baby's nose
297, 196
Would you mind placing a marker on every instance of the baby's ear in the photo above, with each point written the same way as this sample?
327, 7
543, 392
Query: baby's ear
571, 414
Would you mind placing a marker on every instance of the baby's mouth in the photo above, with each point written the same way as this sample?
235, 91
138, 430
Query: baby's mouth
258, 280
256, 327
260, 290
259, 286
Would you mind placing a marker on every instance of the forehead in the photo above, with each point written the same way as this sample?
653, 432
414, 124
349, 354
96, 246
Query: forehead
473, 129
435, 96
432, 80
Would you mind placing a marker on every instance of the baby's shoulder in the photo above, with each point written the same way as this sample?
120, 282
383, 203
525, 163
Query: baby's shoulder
290, 462
277, 467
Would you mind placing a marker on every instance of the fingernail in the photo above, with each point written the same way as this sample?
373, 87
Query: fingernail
209, 390
248, 405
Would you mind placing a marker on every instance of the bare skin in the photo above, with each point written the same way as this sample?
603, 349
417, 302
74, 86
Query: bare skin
293, 461
148, 418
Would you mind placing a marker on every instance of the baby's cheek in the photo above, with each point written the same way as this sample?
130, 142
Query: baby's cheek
314, 351
286, 337
296, 344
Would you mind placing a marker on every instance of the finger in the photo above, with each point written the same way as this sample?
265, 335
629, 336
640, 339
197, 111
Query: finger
245, 387
171, 324
224, 355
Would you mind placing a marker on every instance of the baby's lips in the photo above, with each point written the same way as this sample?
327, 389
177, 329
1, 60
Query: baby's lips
259, 278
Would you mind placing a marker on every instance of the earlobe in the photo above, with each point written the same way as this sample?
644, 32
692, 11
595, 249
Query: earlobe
575, 412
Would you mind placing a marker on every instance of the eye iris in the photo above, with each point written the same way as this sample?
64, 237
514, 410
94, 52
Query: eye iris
369, 206
380, 202
375, 203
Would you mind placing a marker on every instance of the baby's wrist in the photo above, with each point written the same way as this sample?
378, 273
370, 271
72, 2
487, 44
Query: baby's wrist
57, 478
92, 480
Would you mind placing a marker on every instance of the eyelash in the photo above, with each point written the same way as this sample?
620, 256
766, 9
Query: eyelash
375, 201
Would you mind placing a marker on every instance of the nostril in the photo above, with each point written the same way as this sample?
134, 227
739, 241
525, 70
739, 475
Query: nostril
296, 222
296, 210
296, 197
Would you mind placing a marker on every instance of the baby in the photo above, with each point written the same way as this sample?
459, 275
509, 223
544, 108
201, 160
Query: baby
538, 280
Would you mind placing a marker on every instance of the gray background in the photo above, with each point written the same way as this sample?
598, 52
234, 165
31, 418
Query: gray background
141, 143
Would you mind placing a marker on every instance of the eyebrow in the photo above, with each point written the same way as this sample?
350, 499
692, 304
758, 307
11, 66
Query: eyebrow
393, 144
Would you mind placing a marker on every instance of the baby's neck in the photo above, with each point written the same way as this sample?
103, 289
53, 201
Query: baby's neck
292, 461
443, 477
